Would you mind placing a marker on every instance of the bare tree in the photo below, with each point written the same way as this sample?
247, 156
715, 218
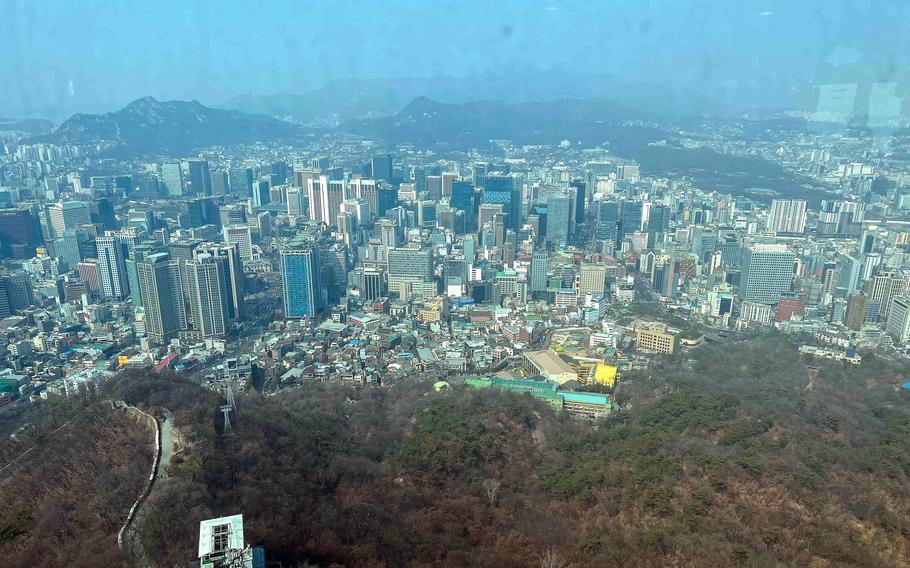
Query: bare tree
491, 486
551, 559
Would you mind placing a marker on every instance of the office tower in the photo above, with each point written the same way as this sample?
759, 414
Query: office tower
231, 215
102, 212
408, 265
787, 216
592, 279
850, 273
172, 178
480, 174
882, 288
68, 215
132, 272
162, 298
426, 214
88, 273
386, 199
303, 288
505, 189
381, 168
324, 198
16, 288
631, 219
830, 277
241, 180
365, 189
347, 225
73, 246
899, 320
665, 277
200, 177
296, 202
261, 195
239, 235
448, 178
387, 231
372, 283
767, 272
704, 243
434, 187
207, 295
333, 261
229, 263
20, 233
220, 183
606, 220
658, 224
579, 192
867, 242
855, 315
559, 212
538, 271
111, 267
462, 199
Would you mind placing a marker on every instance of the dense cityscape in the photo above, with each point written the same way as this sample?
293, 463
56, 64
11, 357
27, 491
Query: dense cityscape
348, 261
423, 284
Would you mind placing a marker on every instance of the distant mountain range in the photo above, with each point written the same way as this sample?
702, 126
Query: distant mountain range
26, 125
346, 99
148, 125
428, 123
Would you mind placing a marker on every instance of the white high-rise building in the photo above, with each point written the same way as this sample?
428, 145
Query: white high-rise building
899, 320
787, 216
112, 267
239, 235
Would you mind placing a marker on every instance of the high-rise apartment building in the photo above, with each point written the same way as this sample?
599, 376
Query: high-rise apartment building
787, 216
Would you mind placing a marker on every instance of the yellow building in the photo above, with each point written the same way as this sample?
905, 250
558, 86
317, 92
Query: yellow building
655, 339
605, 375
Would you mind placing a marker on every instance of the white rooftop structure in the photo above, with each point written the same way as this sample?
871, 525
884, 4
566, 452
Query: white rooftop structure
221, 534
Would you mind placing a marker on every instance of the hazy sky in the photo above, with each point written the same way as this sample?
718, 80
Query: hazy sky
98, 54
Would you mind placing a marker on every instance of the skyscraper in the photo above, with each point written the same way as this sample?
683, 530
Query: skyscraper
899, 320
767, 272
462, 199
303, 289
631, 219
200, 177
505, 189
68, 215
787, 216
230, 266
172, 178
239, 235
20, 233
111, 267
208, 295
241, 181
579, 191
381, 167
559, 213
658, 224
162, 298
538, 278
884, 287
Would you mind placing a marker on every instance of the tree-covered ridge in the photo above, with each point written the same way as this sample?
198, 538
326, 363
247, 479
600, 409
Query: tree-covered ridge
740, 454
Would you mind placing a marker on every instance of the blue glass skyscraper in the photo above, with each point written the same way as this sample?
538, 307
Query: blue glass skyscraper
505, 189
303, 289
463, 200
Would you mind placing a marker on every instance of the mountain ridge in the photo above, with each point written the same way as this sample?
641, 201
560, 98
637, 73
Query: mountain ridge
149, 125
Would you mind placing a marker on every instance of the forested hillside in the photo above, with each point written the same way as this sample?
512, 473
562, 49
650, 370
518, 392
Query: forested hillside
744, 455
71, 483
